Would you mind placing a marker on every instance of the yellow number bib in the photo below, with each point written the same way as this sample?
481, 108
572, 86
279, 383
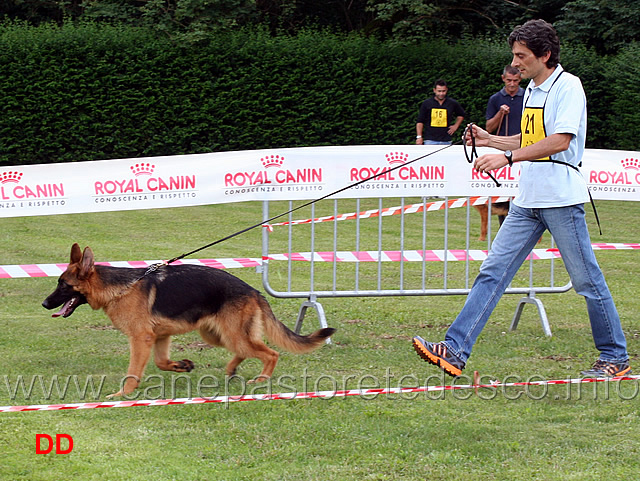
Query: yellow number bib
439, 118
532, 127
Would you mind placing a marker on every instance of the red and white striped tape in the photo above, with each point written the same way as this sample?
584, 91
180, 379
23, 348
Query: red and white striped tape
407, 209
54, 270
301, 395
438, 255
606, 246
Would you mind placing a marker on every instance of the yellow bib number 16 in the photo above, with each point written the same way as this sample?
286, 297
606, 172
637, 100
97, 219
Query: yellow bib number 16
439, 118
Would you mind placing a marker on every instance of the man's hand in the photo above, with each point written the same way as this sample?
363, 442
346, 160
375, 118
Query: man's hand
452, 129
489, 162
481, 136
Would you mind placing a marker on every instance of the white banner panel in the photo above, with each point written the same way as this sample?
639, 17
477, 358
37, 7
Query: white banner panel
280, 174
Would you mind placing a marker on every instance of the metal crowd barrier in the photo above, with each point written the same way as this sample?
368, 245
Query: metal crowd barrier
408, 248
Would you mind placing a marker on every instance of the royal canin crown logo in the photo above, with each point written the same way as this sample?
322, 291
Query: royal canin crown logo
273, 173
631, 164
396, 171
272, 161
143, 169
394, 158
10, 176
628, 176
143, 181
13, 189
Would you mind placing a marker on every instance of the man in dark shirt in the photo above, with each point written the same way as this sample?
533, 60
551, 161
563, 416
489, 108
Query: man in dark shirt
504, 109
436, 123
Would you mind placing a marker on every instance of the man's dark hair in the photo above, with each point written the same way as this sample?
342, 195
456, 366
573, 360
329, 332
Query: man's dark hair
540, 37
439, 83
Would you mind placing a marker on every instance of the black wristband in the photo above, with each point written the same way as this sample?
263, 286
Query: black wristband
509, 155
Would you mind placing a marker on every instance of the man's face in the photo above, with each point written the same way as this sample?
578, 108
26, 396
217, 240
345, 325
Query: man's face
440, 92
511, 83
529, 65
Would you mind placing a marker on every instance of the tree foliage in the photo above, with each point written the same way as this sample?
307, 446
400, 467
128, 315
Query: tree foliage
415, 20
606, 25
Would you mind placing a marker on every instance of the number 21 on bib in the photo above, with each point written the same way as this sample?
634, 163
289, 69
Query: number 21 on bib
532, 127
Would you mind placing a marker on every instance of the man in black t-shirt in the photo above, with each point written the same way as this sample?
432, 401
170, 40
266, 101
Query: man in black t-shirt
436, 123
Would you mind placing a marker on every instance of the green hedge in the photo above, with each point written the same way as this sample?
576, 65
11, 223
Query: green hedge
88, 92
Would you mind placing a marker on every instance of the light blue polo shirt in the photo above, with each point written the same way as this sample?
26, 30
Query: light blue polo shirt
547, 184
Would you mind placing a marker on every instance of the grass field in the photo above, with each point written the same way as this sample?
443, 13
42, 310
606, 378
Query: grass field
579, 432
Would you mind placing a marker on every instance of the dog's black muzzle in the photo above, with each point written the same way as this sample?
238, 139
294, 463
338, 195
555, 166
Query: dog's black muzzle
64, 296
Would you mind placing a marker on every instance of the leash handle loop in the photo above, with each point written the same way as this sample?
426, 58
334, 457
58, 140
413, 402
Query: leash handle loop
474, 153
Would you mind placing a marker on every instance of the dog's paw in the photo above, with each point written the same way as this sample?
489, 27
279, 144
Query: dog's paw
258, 379
117, 394
183, 366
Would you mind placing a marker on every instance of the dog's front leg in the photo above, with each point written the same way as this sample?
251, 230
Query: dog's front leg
140, 348
162, 348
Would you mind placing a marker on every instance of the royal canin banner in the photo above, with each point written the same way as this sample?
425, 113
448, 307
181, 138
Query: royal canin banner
281, 174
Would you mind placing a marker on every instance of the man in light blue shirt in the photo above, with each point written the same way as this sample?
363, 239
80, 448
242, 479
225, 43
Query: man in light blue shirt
562, 101
551, 195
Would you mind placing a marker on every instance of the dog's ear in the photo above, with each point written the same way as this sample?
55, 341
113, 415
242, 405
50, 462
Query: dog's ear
86, 266
76, 254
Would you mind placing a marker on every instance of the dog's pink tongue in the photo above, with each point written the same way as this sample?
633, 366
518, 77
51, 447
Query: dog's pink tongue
63, 309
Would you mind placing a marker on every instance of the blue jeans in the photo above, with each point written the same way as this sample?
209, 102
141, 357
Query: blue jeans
436, 142
515, 239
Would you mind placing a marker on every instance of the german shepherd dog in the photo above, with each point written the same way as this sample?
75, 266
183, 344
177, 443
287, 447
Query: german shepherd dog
151, 306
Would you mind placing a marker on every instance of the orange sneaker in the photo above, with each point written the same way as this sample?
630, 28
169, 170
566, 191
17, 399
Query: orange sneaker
608, 369
438, 355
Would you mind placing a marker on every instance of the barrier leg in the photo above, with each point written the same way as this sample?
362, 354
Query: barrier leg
531, 299
311, 302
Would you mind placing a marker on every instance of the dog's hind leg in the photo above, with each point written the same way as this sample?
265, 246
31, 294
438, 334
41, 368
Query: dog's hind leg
161, 357
213, 339
233, 365
247, 348
259, 350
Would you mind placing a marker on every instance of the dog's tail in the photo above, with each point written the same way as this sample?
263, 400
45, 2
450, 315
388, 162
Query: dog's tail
285, 338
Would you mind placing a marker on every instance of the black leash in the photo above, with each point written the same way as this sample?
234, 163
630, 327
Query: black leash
470, 158
474, 153
155, 267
